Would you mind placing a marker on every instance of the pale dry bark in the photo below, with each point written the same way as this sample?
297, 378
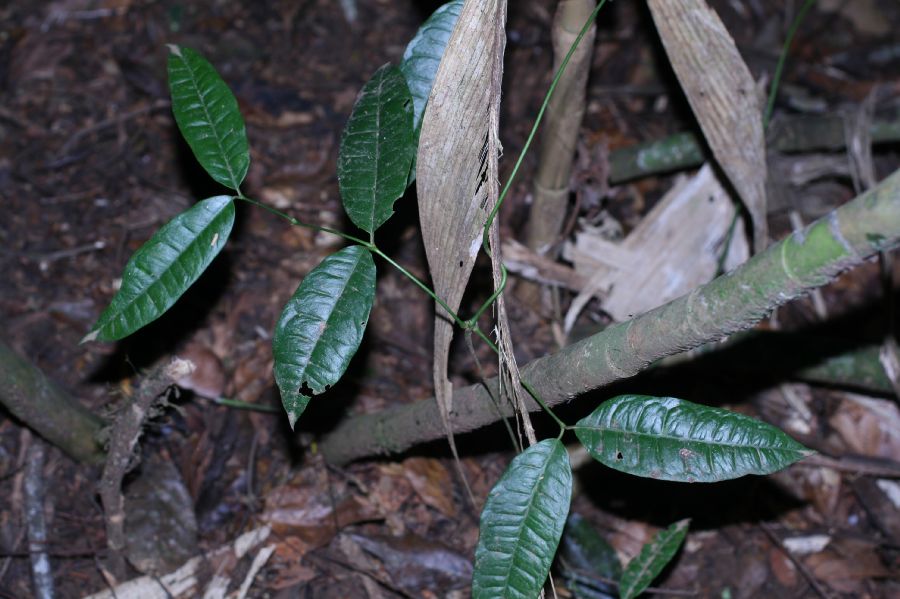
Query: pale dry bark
453, 161
722, 95
560, 128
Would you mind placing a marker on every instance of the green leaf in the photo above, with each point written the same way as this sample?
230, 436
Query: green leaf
423, 54
522, 522
654, 556
587, 561
164, 267
376, 149
421, 60
321, 327
673, 439
208, 117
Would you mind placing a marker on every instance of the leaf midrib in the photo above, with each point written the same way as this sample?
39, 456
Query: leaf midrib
534, 490
376, 163
340, 297
155, 281
620, 431
235, 184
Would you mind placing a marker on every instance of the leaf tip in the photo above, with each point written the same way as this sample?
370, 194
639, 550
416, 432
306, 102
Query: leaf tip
174, 49
90, 337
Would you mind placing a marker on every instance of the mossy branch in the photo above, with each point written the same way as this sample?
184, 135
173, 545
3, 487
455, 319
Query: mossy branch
735, 301
47, 409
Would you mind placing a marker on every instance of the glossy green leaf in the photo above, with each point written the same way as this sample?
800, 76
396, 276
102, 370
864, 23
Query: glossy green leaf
377, 149
673, 439
208, 117
423, 54
654, 556
587, 561
421, 60
522, 522
164, 267
321, 327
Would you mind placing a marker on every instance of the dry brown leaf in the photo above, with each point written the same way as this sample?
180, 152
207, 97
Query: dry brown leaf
629, 538
846, 564
417, 564
190, 578
457, 147
431, 479
207, 379
299, 509
783, 568
722, 95
676, 248
865, 15
868, 426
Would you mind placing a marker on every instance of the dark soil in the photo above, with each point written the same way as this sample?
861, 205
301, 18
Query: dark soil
91, 164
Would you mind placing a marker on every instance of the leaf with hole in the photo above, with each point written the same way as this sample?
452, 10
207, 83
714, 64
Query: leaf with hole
654, 556
164, 267
321, 327
208, 117
376, 149
522, 522
421, 59
673, 439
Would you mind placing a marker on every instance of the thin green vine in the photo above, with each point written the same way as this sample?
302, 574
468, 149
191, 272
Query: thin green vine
782, 58
470, 325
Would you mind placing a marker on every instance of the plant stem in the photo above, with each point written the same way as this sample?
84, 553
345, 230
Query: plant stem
485, 242
493, 298
299, 223
467, 325
782, 58
559, 139
537, 121
534, 394
790, 134
238, 404
470, 325
735, 301
459, 321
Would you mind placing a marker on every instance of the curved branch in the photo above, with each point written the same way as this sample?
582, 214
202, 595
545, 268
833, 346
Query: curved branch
47, 409
735, 301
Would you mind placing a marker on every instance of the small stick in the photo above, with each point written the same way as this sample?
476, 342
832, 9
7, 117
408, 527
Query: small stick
880, 467
126, 430
41, 573
797, 563
112, 122
589, 577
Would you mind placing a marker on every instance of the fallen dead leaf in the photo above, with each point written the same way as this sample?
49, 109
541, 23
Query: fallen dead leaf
301, 509
868, 426
783, 568
416, 564
432, 483
846, 564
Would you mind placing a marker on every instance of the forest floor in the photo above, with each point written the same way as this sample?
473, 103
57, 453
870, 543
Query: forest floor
91, 164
